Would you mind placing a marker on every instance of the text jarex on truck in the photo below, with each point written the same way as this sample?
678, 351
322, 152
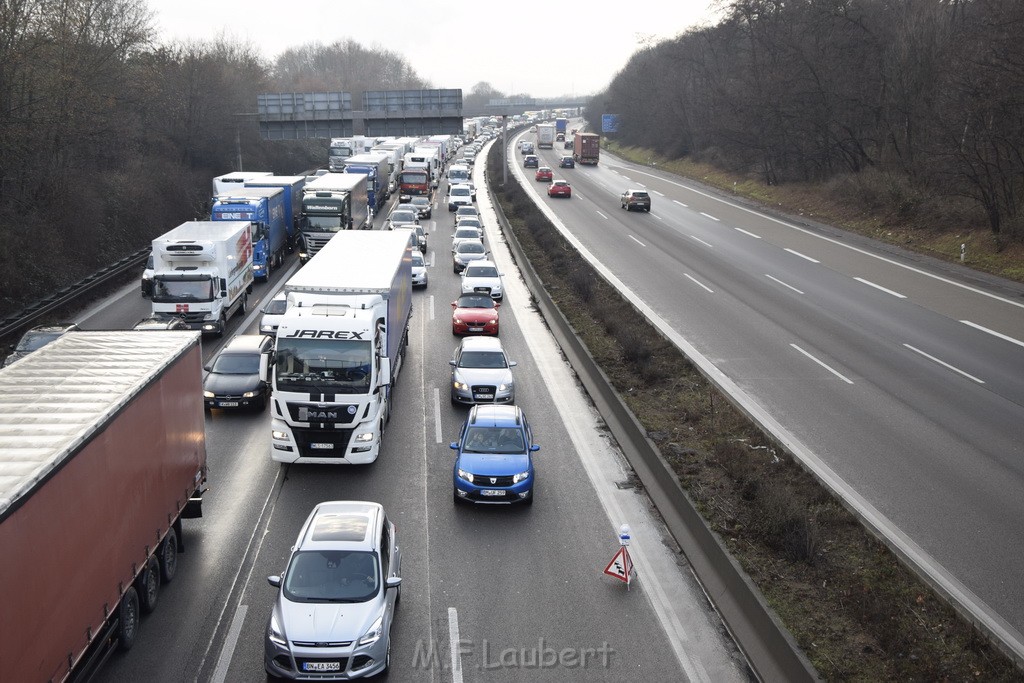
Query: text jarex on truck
340, 346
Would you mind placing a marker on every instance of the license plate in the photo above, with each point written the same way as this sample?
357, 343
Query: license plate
492, 492
482, 290
228, 404
321, 446
476, 329
321, 666
485, 396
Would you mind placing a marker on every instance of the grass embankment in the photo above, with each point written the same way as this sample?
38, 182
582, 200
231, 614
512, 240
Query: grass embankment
854, 609
872, 203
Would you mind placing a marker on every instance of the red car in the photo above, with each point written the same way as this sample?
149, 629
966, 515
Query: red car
544, 173
560, 188
475, 314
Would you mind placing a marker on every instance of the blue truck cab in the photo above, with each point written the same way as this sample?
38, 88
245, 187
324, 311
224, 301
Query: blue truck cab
264, 207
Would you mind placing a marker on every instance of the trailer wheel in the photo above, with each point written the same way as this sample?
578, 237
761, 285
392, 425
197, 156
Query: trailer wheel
168, 556
128, 619
148, 585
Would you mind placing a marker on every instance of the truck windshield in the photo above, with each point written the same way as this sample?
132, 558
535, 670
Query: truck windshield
322, 224
340, 152
331, 366
172, 291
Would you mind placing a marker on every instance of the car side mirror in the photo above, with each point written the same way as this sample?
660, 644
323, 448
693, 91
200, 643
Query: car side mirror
393, 582
454, 445
534, 447
208, 368
455, 304
451, 363
274, 581
512, 363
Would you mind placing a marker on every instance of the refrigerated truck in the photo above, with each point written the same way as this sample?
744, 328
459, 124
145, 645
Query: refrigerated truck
223, 184
339, 347
202, 273
103, 454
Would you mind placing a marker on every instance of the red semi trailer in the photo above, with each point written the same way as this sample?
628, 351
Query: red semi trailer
102, 453
586, 148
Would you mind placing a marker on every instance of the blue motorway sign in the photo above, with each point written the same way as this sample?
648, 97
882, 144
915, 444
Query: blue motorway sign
609, 123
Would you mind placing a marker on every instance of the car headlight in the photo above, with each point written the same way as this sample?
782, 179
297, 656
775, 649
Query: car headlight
250, 394
375, 632
463, 474
365, 437
522, 476
505, 386
492, 321
208, 394
275, 632
457, 320
460, 385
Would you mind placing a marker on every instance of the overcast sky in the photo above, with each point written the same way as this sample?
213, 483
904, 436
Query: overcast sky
546, 49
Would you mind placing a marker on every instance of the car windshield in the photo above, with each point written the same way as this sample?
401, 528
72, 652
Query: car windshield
420, 201
471, 248
470, 223
469, 233
460, 192
466, 211
474, 301
332, 576
33, 341
481, 271
403, 217
417, 259
237, 364
482, 359
276, 307
494, 440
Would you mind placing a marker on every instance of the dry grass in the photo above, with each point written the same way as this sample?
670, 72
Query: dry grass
854, 609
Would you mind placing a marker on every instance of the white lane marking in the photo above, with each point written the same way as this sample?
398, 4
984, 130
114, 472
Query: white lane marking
803, 256
430, 262
657, 216
602, 215
660, 194
708, 215
879, 287
944, 364
748, 233
431, 306
636, 240
424, 479
437, 415
699, 284
993, 333
220, 674
577, 195
706, 244
783, 283
839, 243
456, 644
680, 203
822, 364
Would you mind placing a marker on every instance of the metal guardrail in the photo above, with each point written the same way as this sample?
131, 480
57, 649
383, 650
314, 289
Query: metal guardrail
770, 650
26, 317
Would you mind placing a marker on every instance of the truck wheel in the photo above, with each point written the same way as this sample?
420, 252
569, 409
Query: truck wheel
168, 556
128, 619
244, 306
148, 585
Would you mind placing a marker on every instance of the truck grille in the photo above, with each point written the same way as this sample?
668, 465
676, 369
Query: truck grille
312, 443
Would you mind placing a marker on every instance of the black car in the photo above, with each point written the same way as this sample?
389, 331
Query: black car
234, 379
37, 338
531, 161
161, 322
566, 162
422, 205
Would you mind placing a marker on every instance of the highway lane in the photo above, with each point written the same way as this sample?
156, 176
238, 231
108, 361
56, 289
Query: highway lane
516, 580
861, 352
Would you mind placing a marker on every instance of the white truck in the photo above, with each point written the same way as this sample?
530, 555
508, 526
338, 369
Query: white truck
341, 149
202, 273
545, 135
340, 347
330, 204
227, 183
394, 152
424, 157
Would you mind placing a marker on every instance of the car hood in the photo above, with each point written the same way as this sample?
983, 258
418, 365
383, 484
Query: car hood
323, 622
476, 314
495, 464
230, 384
483, 375
469, 282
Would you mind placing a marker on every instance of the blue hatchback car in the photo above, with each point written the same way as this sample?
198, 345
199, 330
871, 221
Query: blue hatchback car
495, 450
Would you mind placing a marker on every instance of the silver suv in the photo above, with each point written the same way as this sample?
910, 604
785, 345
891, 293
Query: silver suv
337, 598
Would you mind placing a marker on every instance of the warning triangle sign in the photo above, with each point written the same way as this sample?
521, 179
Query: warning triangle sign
621, 565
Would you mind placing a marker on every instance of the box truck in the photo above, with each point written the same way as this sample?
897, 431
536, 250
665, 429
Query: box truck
292, 186
586, 148
265, 208
339, 348
375, 166
103, 450
202, 273
545, 135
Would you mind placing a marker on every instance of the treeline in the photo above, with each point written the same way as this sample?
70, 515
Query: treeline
920, 101
108, 139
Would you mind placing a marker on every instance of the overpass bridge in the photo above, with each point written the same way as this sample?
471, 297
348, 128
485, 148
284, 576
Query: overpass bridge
511, 107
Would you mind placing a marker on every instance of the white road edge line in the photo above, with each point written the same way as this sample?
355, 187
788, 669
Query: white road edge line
681, 204
994, 333
660, 194
636, 240
437, 415
706, 244
708, 215
657, 216
803, 256
783, 283
699, 284
748, 233
944, 364
837, 374
220, 674
879, 287
602, 215
455, 642
837, 242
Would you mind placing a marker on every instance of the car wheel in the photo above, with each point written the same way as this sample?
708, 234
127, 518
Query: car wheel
128, 619
148, 585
